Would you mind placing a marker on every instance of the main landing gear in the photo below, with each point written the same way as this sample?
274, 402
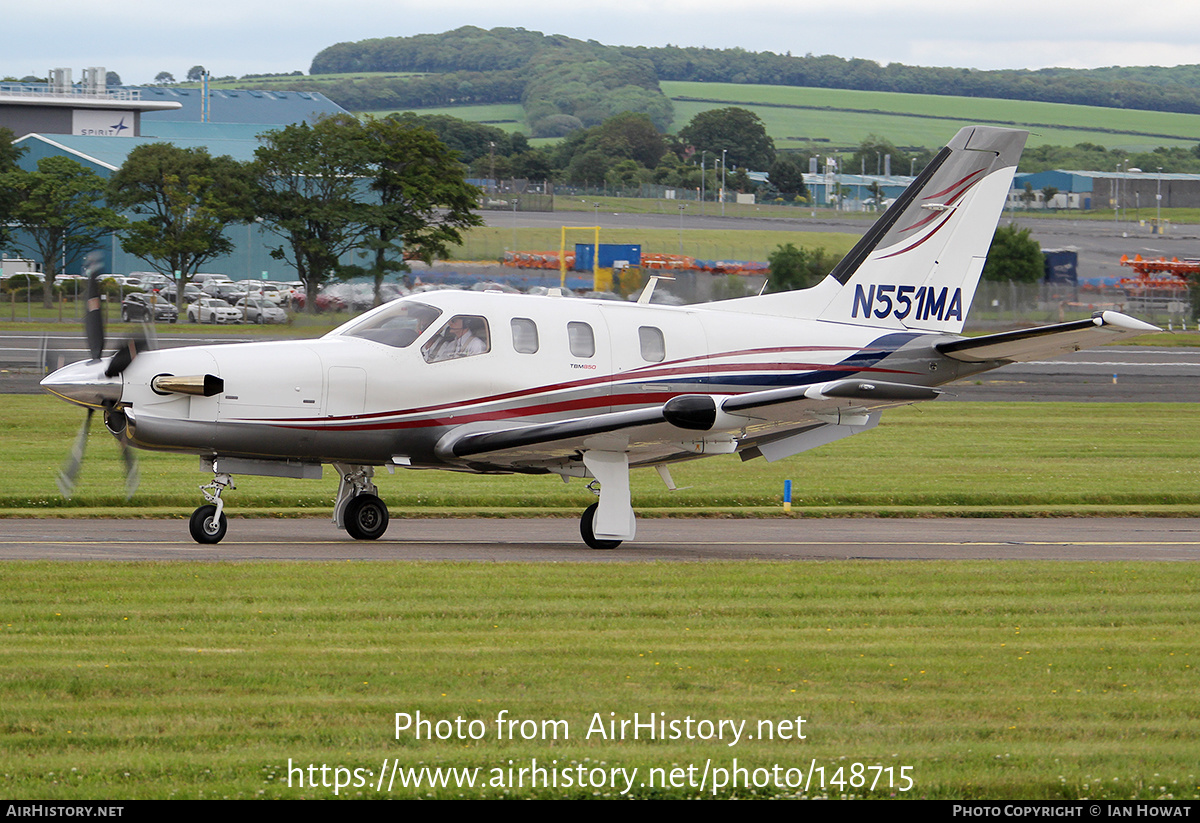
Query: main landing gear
607, 524
358, 508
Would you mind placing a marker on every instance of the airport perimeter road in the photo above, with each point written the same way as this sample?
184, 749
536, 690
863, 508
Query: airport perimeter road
557, 540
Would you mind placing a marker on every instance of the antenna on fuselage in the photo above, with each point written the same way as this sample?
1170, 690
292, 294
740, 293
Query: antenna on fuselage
648, 291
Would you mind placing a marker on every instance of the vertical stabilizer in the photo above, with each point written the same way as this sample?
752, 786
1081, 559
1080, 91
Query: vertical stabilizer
918, 266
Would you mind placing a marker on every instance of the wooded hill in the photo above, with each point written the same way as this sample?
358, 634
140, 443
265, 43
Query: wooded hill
565, 84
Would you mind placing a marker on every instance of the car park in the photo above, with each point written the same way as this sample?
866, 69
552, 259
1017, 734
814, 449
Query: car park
212, 310
148, 306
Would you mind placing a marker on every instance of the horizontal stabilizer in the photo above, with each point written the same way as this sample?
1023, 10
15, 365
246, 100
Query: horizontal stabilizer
1046, 341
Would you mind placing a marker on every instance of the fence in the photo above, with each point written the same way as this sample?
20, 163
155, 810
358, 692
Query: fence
1010, 305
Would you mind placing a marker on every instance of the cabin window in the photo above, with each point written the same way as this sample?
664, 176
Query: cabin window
654, 348
524, 334
464, 335
581, 339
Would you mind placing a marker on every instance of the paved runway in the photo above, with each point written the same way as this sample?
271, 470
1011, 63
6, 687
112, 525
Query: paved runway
557, 540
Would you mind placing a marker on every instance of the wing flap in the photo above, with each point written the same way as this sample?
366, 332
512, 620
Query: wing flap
1046, 341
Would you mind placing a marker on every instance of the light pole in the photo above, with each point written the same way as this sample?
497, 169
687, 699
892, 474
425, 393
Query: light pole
1158, 204
723, 181
682, 206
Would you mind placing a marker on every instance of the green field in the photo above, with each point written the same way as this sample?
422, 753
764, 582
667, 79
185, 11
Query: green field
985, 680
939, 458
842, 118
490, 243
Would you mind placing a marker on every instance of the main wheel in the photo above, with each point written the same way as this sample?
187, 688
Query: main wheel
365, 517
204, 528
588, 535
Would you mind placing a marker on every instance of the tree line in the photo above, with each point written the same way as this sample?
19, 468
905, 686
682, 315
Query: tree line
535, 59
384, 191
563, 83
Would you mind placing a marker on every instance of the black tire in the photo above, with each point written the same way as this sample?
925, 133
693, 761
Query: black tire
588, 535
124, 315
365, 517
204, 529
259, 320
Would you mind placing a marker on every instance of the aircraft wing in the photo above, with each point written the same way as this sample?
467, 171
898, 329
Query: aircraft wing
685, 424
1046, 341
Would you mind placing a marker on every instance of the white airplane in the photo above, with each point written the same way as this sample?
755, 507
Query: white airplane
494, 383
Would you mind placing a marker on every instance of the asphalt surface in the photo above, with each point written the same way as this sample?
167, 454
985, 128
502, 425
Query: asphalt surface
557, 540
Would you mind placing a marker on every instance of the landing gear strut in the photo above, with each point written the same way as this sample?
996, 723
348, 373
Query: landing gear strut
607, 524
208, 523
358, 509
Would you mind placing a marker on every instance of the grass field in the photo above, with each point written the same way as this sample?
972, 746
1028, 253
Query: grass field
986, 680
490, 243
795, 116
968, 458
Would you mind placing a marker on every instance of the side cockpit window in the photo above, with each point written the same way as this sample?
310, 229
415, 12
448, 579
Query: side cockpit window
464, 335
399, 325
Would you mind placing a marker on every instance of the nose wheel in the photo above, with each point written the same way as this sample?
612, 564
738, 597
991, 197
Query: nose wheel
208, 523
207, 526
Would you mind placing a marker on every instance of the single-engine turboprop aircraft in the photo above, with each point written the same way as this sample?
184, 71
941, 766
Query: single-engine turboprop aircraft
496, 383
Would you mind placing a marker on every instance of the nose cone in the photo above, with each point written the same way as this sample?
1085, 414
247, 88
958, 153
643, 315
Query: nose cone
84, 384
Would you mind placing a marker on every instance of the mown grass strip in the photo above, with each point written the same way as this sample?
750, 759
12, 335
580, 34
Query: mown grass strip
1051, 457
989, 679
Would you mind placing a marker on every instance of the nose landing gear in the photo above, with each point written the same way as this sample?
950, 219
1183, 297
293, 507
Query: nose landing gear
208, 523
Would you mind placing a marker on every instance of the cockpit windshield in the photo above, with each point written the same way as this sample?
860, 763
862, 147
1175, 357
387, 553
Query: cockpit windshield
398, 324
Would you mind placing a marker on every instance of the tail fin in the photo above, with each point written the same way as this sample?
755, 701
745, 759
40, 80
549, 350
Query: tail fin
918, 265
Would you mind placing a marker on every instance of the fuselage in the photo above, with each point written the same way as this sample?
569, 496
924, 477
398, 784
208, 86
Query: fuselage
374, 390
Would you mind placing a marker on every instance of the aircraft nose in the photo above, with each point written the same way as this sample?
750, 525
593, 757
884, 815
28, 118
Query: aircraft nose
84, 384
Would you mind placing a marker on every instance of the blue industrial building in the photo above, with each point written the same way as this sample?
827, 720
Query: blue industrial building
66, 117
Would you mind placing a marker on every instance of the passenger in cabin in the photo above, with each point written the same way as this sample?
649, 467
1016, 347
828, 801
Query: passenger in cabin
462, 336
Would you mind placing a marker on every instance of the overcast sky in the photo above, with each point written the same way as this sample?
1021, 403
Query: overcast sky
138, 39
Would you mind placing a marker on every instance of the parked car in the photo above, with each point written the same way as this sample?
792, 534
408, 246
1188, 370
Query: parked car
150, 279
148, 306
200, 278
225, 290
260, 310
191, 292
212, 310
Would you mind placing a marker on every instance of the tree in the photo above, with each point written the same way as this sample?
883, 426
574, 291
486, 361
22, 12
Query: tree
196, 73
1048, 194
797, 268
187, 198
112, 79
424, 202
736, 131
787, 176
309, 183
9, 155
1014, 255
59, 209
164, 78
